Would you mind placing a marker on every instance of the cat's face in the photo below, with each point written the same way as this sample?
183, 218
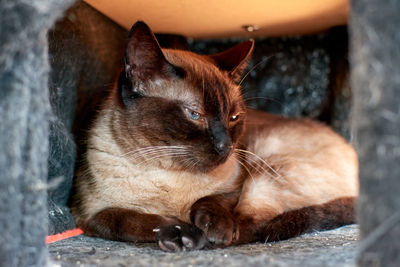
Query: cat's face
190, 105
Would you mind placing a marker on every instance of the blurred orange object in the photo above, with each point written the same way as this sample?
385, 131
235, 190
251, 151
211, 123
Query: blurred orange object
63, 235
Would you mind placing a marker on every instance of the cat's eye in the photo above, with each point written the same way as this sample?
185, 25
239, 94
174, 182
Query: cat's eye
234, 117
193, 114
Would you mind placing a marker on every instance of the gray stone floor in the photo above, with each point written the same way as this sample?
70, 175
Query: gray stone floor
330, 248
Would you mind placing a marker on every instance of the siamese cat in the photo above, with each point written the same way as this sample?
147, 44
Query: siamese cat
173, 156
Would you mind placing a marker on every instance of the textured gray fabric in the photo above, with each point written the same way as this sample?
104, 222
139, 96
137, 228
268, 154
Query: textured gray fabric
61, 157
375, 49
330, 248
24, 111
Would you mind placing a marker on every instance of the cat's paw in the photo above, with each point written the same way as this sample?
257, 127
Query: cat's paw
217, 224
180, 237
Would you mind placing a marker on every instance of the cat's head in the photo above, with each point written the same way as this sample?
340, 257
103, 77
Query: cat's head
179, 99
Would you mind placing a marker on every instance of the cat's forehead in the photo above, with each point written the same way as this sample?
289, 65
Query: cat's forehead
203, 87
176, 90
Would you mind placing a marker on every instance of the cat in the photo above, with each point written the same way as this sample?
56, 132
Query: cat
175, 157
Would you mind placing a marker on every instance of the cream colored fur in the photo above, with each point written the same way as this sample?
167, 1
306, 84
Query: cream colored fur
313, 165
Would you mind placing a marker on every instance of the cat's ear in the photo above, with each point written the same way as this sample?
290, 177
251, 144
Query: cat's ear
234, 60
144, 57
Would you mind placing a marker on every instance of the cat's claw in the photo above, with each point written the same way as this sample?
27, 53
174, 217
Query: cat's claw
182, 237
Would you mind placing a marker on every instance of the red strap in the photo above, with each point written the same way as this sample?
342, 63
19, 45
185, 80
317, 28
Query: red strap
63, 235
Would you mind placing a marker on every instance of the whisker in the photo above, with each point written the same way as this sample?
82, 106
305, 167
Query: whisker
103, 163
256, 165
255, 66
152, 147
185, 163
149, 151
194, 164
161, 156
245, 167
154, 152
261, 159
156, 147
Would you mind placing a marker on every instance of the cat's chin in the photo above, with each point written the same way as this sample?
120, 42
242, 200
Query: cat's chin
207, 168
209, 165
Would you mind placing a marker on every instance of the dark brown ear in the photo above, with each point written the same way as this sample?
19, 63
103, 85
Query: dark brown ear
234, 60
144, 57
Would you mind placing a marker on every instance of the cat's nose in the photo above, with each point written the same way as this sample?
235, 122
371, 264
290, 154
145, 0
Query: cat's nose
220, 137
222, 146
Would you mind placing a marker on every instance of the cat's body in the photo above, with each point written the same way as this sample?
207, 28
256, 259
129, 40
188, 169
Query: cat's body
175, 156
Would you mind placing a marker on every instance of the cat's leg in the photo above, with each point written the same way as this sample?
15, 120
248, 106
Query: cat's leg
121, 224
213, 215
330, 215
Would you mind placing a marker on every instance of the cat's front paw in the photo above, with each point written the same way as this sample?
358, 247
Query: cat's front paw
217, 224
180, 237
